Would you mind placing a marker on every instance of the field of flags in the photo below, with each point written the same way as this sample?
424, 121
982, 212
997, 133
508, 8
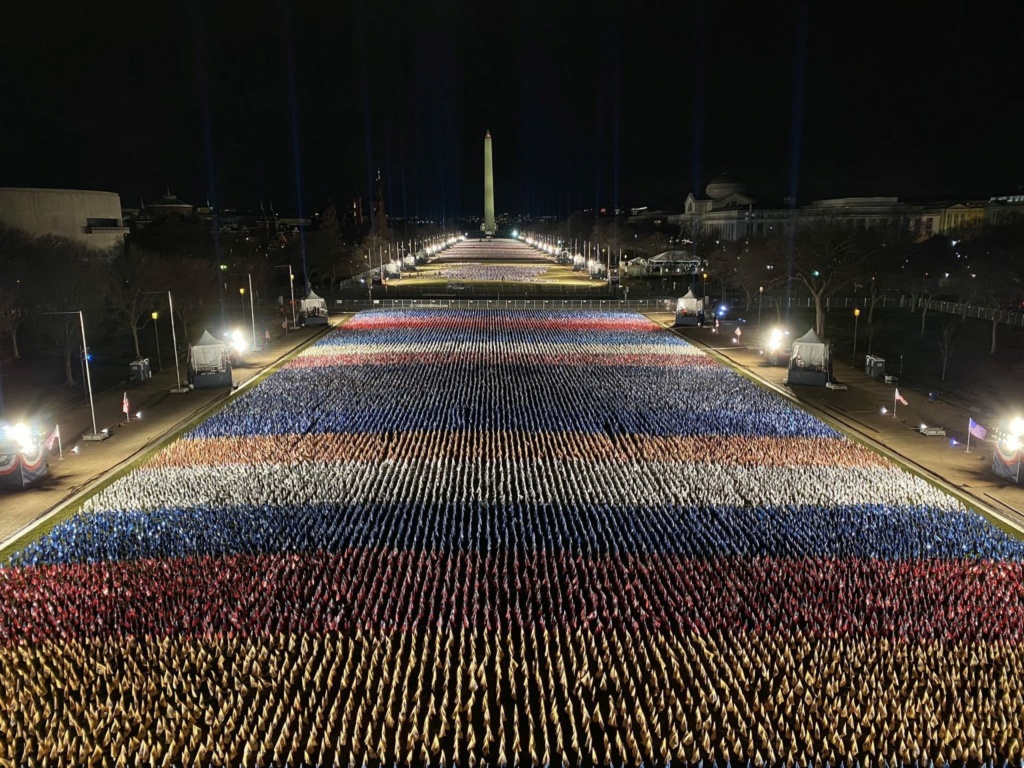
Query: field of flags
514, 538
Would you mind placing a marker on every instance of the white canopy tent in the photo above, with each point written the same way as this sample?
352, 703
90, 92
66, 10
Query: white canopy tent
208, 354
313, 304
809, 351
689, 304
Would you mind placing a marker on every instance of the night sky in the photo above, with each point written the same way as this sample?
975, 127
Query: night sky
596, 104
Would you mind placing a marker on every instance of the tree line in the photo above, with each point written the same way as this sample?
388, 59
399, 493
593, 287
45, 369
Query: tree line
981, 265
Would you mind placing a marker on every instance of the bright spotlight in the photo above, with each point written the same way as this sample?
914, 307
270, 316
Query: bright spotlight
238, 341
138, 414
22, 435
1016, 427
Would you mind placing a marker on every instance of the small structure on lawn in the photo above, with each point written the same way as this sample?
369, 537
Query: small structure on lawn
313, 310
674, 263
689, 310
209, 363
810, 361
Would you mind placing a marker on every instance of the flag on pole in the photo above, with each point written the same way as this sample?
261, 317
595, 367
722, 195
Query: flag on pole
124, 404
53, 438
976, 429
900, 399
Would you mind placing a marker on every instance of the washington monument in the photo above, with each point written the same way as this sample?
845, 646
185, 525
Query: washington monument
488, 187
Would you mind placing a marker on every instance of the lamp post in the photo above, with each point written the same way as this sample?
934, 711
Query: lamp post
88, 378
156, 332
252, 310
291, 285
178, 389
760, 300
856, 317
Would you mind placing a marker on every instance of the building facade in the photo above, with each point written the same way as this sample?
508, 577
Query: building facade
85, 216
727, 212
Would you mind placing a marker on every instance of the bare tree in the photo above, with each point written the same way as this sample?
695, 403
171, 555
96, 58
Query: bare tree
192, 283
135, 272
997, 300
752, 265
925, 298
71, 278
826, 257
12, 313
946, 340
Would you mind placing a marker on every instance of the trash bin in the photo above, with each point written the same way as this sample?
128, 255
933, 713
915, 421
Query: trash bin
138, 370
874, 367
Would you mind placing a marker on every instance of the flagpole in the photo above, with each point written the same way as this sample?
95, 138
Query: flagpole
895, 394
968, 436
60, 446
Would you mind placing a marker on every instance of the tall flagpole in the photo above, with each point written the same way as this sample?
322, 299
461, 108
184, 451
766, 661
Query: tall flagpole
968, 436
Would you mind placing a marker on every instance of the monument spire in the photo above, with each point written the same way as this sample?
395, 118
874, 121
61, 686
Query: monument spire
489, 228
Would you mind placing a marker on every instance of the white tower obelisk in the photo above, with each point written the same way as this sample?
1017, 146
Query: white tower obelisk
488, 187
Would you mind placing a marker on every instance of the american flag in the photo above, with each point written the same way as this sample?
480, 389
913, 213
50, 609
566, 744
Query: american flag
899, 398
976, 429
54, 436
124, 403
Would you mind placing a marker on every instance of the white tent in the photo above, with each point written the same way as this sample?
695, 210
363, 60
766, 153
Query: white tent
208, 354
809, 351
689, 304
674, 262
313, 305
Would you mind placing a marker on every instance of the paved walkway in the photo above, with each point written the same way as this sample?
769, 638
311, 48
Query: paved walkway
858, 410
162, 414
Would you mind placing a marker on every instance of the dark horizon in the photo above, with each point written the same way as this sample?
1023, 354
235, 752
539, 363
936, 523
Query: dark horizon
601, 107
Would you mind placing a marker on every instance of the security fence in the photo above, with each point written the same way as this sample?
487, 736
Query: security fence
614, 305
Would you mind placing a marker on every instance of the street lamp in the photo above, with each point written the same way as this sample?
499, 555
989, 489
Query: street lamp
291, 285
252, 310
95, 436
178, 389
856, 317
156, 332
760, 300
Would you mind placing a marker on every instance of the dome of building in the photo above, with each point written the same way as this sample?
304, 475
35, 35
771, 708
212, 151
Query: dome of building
169, 205
723, 185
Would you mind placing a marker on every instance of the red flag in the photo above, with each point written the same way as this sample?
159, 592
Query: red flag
899, 398
124, 404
